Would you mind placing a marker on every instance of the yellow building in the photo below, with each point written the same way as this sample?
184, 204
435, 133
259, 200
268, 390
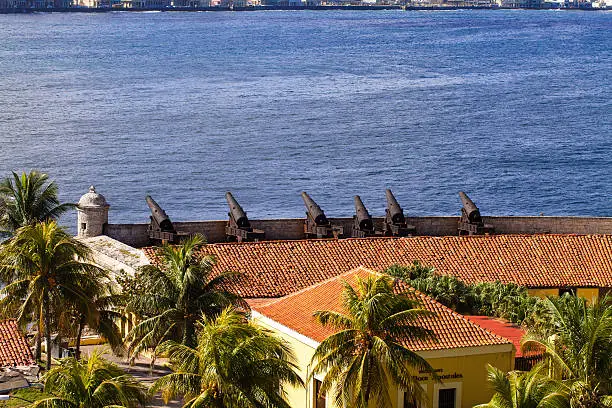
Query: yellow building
459, 356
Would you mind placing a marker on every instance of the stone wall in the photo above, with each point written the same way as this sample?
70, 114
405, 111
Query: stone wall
131, 234
293, 228
551, 225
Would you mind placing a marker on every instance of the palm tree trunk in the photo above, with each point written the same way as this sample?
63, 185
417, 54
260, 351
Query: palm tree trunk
77, 353
39, 334
189, 334
38, 351
48, 329
58, 340
368, 372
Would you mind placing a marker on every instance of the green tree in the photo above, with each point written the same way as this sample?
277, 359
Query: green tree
445, 289
100, 315
525, 390
407, 273
578, 347
505, 300
367, 354
45, 269
172, 298
89, 383
27, 199
236, 364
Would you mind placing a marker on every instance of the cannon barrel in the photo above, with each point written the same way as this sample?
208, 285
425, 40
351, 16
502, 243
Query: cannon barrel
363, 216
236, 212
394, 209
470, 208
314, 211
159, 215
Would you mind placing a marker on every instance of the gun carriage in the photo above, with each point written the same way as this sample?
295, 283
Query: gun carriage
161, 227
395, 224
316, 224
238, 226
471, 222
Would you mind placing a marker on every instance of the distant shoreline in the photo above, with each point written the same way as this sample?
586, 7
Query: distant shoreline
271, 8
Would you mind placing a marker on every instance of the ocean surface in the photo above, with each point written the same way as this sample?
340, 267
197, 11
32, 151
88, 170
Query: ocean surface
512, 106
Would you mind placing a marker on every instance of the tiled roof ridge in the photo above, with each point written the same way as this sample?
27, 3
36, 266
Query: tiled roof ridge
416, 237
318, 284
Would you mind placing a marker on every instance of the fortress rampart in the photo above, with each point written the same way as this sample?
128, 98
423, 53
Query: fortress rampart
93, 221
293, 228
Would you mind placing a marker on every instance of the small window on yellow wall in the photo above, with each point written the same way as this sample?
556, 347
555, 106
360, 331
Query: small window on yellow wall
446, 398
319, 398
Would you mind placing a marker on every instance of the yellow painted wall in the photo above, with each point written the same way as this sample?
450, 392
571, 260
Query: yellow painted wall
297, 397
471, 368
543, 292
474, 387
88, 341
589, 294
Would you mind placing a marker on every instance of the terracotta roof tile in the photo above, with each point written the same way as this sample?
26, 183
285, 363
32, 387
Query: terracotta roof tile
277, 268
504, 329
452, 330
14, 349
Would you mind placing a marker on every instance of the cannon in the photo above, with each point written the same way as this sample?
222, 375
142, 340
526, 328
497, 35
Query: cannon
470, 210
161, 228
471, 222
316, 224
363, 226
238, 226
395, 222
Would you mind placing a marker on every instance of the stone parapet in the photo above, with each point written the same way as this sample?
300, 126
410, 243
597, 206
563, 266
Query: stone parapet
293, 228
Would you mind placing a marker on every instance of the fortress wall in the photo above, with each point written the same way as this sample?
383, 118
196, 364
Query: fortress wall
551, 225
293, 228
214, 231
134, 235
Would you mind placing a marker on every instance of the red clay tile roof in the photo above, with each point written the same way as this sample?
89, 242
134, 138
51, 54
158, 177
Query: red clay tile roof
277, 268
451, 329
502, 328
256, 302
14, 349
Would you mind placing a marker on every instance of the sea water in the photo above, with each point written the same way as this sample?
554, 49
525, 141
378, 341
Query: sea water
511, 106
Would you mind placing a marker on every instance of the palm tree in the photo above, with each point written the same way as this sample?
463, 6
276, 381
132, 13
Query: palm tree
578, 347
28, 199
416, 270
45, 269
367, 354
102, 319
235, 364
525, 390
173, 297
89, 383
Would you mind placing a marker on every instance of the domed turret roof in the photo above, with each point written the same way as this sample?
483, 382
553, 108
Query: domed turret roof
92, 199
